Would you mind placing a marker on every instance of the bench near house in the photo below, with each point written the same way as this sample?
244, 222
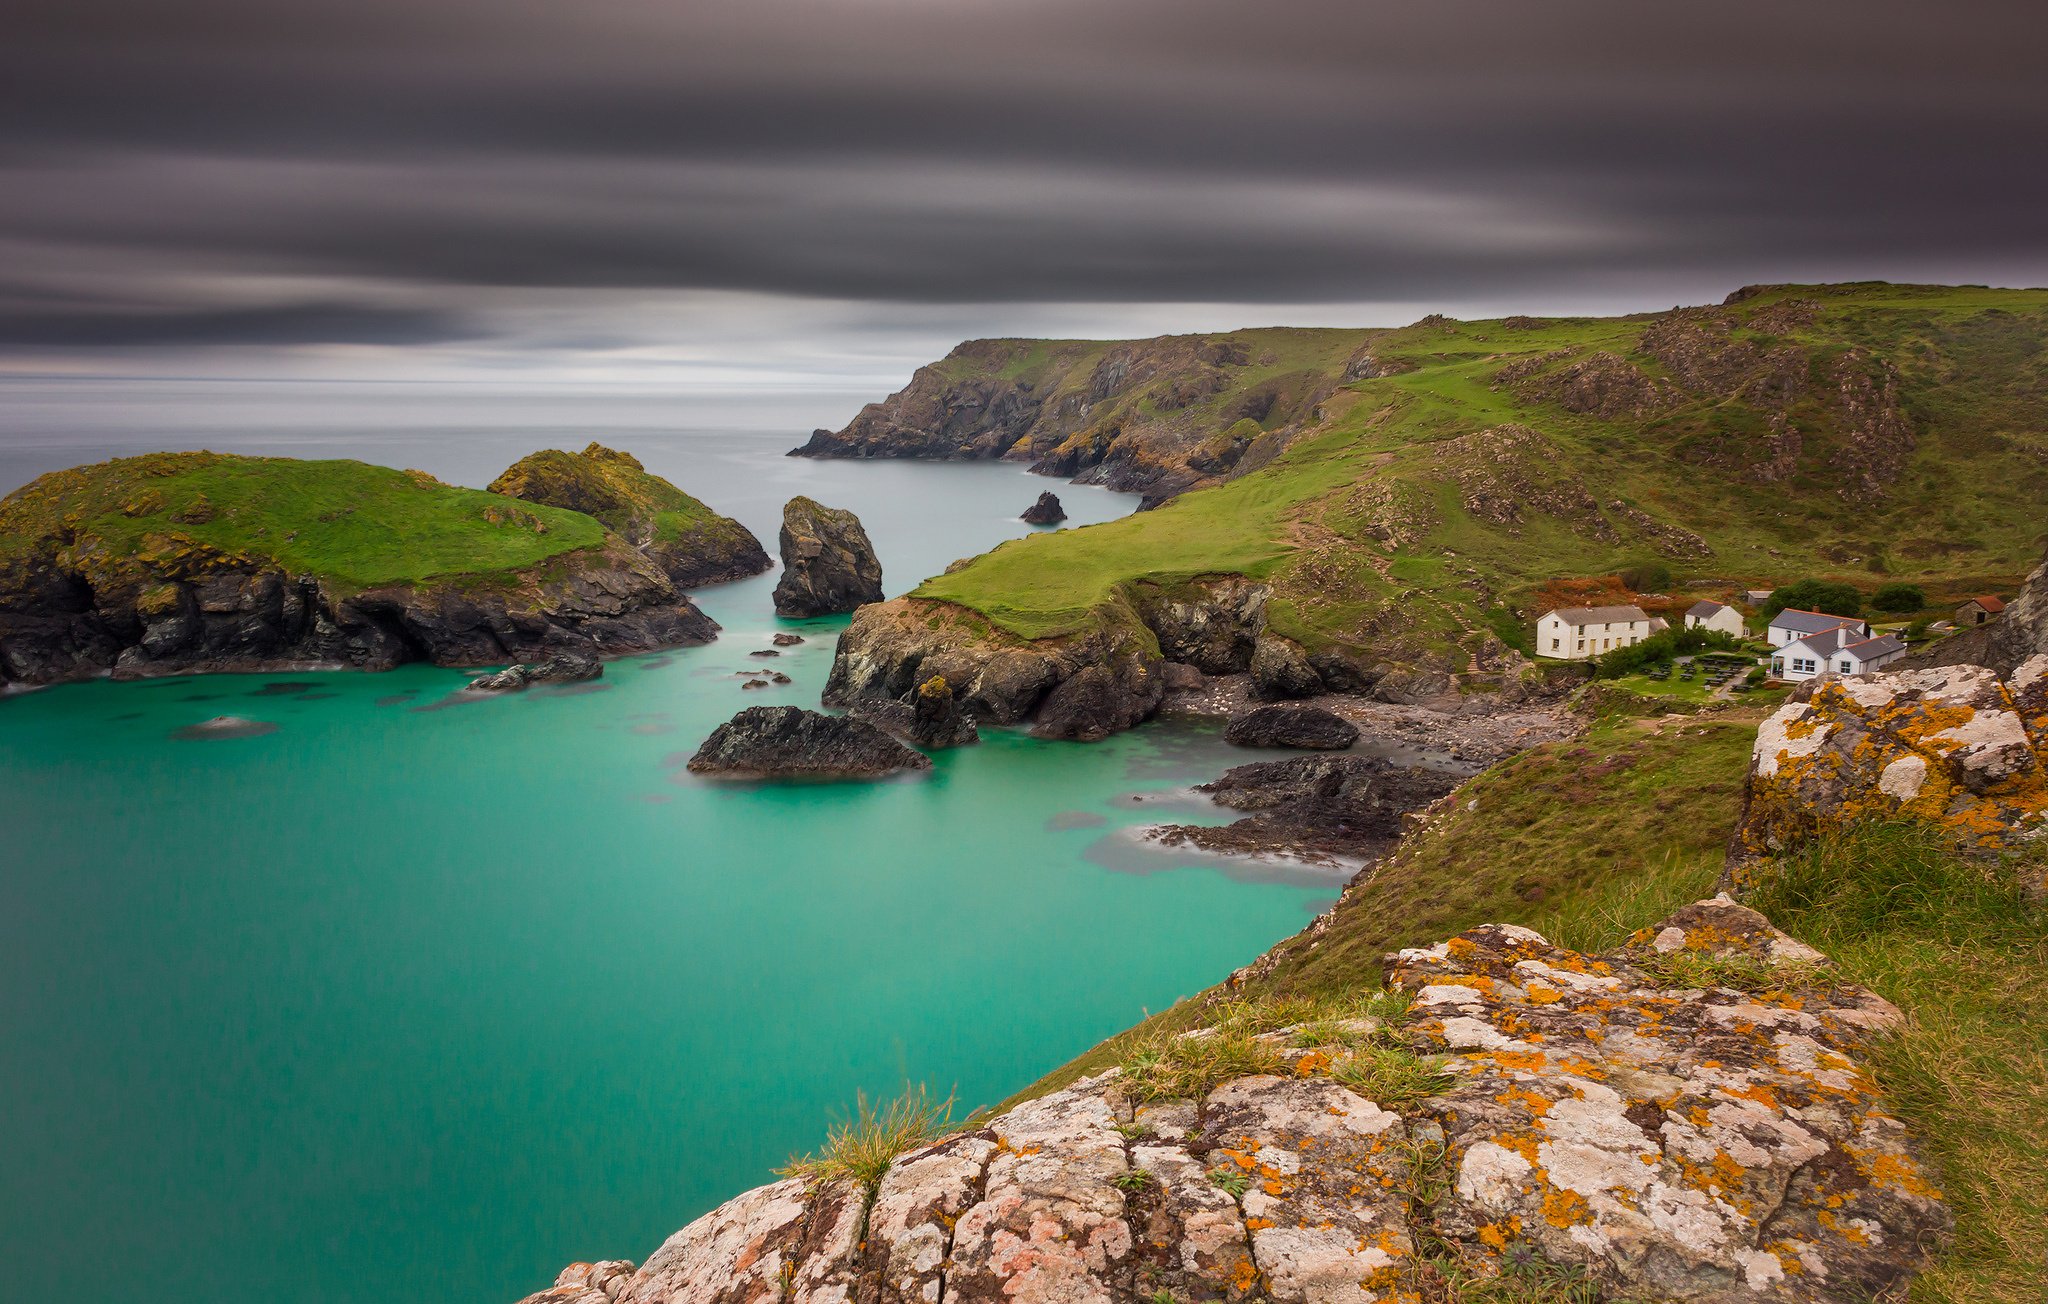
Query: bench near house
1838, 651
1572, 633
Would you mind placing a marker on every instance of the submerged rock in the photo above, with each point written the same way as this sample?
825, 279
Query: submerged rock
1588, 1115
788, 741
1283, 725
567, 668
225, 726
828, 564
1046, 511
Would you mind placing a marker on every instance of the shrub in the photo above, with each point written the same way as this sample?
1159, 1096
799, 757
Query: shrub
1899, 599
1831, 596
1647, 576
1661, 647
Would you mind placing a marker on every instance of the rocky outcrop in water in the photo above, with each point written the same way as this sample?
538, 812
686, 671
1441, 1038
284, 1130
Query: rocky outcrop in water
1626, 1118
1314, 808
568, 668
1046, 511
1955, 746
931, 717
1309, 727
790, 742
828, 564
692, 544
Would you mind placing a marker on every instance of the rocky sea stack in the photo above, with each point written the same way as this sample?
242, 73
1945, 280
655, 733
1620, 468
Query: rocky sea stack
1309, 727
932, 717
790, 742
828, 564
202, 562
1046, 511
692, 544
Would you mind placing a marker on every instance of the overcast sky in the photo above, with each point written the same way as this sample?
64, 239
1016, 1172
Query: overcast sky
790, 192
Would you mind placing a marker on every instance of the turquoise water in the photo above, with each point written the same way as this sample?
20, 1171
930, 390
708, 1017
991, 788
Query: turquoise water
417, 998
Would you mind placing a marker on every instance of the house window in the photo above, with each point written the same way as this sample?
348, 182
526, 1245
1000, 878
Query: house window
1804, 665
1777, 665
1554, 642
1848, 667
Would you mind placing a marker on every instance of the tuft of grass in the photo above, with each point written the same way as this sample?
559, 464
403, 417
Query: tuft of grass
1188, 1068
1232, 1181
1961, 944
1696, 969
862, 1148
1525, 1276
1391, 1076
1132, 1180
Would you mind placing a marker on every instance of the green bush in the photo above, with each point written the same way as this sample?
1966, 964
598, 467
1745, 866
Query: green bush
1831, 596
1898, 598
1647, 576
1661, 647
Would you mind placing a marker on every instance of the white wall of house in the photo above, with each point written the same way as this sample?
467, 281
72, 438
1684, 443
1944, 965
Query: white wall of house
1557, 639
1726, 621
1799, 660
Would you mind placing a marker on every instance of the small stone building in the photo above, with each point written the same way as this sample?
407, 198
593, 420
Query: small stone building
1979, 609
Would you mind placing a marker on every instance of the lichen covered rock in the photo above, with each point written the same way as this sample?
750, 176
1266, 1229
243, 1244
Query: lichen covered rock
1683, 1120
1956, 746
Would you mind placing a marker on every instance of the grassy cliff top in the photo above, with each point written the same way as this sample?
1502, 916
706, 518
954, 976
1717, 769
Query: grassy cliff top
616, 489
1864, 431
352, 523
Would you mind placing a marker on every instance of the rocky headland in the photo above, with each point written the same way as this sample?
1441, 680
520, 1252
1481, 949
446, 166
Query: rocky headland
201, 562
692, 544
764, 742
828, 564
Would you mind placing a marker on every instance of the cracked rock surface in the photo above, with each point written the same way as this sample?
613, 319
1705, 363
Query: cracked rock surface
1700, 1143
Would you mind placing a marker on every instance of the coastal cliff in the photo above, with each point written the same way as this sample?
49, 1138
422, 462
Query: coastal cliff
1413, 508
192, 562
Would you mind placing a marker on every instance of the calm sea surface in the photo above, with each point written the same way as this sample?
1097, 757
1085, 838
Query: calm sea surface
419, 999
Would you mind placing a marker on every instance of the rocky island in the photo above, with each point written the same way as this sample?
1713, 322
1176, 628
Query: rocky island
692, 544
789, 742
828, 565
196, 562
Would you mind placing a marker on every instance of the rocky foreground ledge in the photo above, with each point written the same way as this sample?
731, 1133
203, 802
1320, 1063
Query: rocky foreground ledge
1684, 1120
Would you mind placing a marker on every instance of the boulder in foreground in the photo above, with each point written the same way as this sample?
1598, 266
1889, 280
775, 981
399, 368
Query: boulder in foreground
828, 564
1309, 727
790, 742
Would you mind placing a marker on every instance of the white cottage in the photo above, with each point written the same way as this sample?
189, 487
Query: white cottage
1837, 651
1717, 616
1571, 633
1792, 624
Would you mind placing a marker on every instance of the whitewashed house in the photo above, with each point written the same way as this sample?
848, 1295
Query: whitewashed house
1838, 651
1571, 633
1792, 624
1716, 616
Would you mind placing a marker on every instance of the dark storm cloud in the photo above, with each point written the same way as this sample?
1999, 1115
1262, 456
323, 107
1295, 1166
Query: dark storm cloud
964, 151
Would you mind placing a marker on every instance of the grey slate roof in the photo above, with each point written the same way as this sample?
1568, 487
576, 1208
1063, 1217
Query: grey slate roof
1599, 615
1872, 648
1810, 622
1704, 608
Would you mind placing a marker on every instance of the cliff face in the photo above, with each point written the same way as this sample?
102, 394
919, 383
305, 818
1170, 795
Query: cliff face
192, 562
1147, 416
1585, 1114
692, 544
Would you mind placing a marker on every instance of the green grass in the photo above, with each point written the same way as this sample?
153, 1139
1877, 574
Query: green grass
355, 524
1962, 947
862, 1148
1972, 380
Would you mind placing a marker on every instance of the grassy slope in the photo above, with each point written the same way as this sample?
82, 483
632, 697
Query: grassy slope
1588, 840
1960, 515
355, 524
621, 492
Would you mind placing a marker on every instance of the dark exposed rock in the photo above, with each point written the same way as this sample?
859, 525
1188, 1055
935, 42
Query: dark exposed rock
1343, 673
1100, 700
1286, 725
1412, 687
771, 741
764, 652
932, 717
1046, 511
828, 564
1281, 670
566, 668
787, 640
1314, 806
1213, 626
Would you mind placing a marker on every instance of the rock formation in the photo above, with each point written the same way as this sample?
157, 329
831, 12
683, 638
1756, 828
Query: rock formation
1309, 727
932, 716
1956, 746
1046, 511
828, 564
790, 742
567, 668
108, 569
692, 544
1313, 808
1602, 1114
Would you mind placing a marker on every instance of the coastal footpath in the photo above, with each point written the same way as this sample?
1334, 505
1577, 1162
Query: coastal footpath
182, 563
